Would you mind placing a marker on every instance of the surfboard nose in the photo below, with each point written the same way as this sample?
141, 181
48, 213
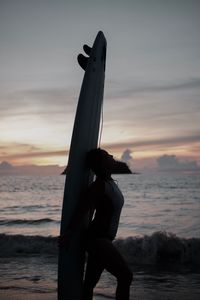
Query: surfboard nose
101, 35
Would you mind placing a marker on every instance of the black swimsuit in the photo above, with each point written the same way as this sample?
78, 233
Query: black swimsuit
107, 212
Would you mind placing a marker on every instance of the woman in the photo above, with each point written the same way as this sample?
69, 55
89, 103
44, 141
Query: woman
106, 200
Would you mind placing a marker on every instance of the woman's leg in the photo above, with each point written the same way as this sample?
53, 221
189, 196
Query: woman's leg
92, 275
108, 257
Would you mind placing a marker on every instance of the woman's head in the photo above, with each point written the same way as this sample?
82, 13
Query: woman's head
100, 161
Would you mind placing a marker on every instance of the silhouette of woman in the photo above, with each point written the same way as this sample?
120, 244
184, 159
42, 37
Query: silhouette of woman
104, 200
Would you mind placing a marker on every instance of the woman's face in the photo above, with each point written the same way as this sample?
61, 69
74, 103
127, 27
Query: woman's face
107, 160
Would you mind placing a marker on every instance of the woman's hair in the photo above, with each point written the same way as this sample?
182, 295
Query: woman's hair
94, 158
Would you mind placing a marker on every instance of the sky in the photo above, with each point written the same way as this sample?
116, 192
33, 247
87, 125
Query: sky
152, 88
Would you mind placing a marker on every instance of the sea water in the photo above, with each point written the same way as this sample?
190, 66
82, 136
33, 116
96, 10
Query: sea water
159, 234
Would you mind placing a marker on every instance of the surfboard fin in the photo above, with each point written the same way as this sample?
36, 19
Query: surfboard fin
87, 49
83, 61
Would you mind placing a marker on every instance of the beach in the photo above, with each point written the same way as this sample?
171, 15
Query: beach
158, 236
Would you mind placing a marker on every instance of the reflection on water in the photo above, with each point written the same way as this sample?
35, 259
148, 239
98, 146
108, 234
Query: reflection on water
153, 202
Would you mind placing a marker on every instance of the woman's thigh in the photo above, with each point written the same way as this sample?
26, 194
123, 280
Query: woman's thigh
104, 252
93, 271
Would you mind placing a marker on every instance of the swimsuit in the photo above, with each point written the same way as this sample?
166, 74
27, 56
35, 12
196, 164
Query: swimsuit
107, 212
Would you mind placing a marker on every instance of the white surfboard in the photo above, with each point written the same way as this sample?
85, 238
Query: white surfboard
84, 138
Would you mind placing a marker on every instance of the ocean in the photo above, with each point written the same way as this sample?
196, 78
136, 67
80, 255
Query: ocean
159, 236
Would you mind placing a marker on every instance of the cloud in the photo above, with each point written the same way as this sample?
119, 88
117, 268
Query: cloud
127, 157
7, 169
170, 141
18, 153
171, 162
38, 101
115, 91
34, 154
185, 84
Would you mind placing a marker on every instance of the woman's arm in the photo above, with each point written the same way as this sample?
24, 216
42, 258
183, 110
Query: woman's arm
88, 201
81, 211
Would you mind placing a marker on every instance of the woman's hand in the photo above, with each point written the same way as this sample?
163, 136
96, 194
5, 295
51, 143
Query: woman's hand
64, 240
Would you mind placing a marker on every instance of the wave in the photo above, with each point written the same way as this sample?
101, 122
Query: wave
160, 247
25, 221
21, 245
29, 207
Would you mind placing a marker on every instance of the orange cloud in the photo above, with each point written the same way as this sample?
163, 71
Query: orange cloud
185, 146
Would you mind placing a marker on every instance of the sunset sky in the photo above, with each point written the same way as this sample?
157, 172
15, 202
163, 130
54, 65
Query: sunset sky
152, 88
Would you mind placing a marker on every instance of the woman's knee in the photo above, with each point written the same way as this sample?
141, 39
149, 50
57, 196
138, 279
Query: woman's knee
129, 276
126, 277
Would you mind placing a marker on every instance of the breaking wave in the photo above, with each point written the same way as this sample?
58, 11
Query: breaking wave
160, 247
25, 221
152, 249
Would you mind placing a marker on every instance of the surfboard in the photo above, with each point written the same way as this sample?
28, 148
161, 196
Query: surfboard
78, 176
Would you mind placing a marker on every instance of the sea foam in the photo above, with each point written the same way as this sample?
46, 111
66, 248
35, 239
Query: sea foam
160, 247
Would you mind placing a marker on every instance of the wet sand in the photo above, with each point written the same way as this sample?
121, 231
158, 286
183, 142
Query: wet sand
37, 296
138, 295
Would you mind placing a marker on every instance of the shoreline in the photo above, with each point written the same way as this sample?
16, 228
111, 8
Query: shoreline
136, 294
36, 296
